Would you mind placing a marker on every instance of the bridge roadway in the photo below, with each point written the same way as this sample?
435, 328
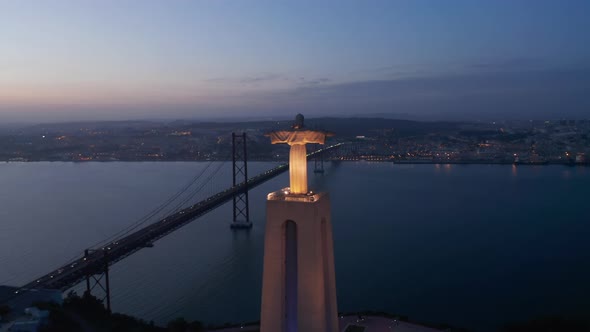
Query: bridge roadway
74, 272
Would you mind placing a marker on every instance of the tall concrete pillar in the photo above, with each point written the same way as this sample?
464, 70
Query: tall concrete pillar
299, 283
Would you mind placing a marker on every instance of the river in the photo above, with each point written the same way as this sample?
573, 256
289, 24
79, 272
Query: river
469, 245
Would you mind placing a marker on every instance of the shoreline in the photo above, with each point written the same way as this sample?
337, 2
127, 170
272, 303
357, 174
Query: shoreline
400, 162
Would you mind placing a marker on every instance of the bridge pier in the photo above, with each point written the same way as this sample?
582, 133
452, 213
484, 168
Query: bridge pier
102, 281
318, 165
241, 206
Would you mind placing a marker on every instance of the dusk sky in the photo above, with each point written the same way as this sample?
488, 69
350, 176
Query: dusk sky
168, 59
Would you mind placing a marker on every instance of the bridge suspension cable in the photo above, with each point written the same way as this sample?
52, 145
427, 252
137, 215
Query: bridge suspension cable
150, 214
209, 180
157, 210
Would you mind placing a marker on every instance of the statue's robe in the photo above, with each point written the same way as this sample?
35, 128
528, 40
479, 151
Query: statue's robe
297, 137
298, 154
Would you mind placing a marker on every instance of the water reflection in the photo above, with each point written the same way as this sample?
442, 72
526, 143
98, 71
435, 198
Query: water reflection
514, 170
448, 168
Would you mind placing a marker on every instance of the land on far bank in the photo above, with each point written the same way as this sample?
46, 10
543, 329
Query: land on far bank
372, 139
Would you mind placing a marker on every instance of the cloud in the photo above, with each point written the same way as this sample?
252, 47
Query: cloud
476, 95
415, 70
262, 78
480, 95
249, 80
314, 81
270, 78
517, 63
403, 71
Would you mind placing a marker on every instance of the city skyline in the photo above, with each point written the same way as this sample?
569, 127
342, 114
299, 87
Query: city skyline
460, 60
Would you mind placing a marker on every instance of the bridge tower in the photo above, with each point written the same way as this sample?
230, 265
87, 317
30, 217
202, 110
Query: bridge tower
319, 162
99, 280
241, 213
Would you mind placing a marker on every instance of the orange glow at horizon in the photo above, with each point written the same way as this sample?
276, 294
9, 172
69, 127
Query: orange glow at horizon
91, 94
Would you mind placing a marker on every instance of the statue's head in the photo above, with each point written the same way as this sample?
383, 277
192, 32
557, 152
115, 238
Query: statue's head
298, 121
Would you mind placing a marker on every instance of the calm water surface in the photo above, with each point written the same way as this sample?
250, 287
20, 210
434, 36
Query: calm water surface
470, 245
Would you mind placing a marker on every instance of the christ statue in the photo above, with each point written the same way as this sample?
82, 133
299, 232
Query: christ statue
297, 138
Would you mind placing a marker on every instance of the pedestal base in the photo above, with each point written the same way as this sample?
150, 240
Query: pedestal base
299, 283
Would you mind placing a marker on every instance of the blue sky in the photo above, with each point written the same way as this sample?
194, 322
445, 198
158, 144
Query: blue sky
123, 59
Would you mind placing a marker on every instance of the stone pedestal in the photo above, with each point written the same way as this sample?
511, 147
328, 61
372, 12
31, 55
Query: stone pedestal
299, 284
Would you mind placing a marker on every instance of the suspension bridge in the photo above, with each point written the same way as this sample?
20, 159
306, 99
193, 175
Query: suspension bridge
93, 266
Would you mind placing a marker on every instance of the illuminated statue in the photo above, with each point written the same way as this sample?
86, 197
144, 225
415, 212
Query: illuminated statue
299, 278
297, 138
